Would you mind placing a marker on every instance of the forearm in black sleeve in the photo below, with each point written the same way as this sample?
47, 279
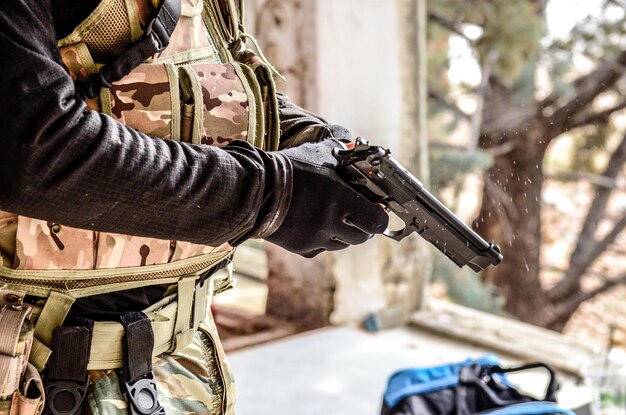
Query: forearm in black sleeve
61, 163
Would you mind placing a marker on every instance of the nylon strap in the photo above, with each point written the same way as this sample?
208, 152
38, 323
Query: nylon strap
52, 316
70, 343
182, 329
137, 346
66, 378
155, 39
137, 382
204, 291
13, 314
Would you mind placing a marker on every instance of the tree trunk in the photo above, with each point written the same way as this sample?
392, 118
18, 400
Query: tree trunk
511, 215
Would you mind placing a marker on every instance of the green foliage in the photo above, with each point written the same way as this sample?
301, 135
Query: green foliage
512, 29
465, 287
449, 165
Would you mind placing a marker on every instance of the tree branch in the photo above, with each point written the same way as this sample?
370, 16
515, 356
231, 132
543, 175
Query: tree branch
564, 310
594, 179
598, 117
589, 87
449, 105
451, 25
585, 246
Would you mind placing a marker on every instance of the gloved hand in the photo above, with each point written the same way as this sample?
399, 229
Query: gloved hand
325, 213
299, 126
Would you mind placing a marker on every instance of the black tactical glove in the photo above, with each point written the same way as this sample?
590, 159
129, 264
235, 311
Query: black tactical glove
299, 126
325, 213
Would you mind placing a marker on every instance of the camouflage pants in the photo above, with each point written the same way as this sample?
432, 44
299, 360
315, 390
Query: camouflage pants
196, 380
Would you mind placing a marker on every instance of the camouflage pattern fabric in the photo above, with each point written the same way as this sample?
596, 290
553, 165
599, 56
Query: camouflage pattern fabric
74, 63
184, 250
142, 100
225, 104
8, 231
189, 382
115, 250
46, 245
196, 380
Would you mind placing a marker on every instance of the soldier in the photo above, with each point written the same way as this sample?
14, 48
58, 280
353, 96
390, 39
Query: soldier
141, 141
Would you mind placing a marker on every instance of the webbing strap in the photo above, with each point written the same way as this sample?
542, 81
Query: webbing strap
74, 343
66, 383
182, 328
137, 382
154, 40
137, 345
52, 316
33, 396
13, 313
200, 303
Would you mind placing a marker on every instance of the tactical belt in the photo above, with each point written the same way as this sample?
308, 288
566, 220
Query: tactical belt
174, 320
154, 40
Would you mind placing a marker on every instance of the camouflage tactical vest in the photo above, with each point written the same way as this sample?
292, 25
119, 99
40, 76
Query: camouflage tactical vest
206, 87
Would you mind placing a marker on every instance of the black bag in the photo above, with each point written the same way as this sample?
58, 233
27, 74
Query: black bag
467, 388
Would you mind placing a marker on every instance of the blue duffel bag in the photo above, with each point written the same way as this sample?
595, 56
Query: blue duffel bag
472, 387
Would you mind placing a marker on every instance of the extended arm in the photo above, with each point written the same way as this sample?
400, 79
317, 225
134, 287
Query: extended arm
61, 163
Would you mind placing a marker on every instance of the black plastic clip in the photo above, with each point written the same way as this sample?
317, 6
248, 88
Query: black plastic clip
141, 396
64, 397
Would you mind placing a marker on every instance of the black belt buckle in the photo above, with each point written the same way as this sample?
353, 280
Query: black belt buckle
65, 397
141, 396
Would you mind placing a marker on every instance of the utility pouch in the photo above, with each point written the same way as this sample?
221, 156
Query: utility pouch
21, 390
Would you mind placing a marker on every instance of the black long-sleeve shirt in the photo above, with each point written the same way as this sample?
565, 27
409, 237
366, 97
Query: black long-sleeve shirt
61, 163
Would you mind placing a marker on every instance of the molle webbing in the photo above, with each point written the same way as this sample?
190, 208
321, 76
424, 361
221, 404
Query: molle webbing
21, 389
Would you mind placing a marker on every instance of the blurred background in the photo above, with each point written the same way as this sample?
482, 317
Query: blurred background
511, 112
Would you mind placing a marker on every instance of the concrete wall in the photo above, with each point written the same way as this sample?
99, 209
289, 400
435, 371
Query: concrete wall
358, 74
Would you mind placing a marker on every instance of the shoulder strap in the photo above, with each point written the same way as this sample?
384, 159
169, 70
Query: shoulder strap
155, 39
